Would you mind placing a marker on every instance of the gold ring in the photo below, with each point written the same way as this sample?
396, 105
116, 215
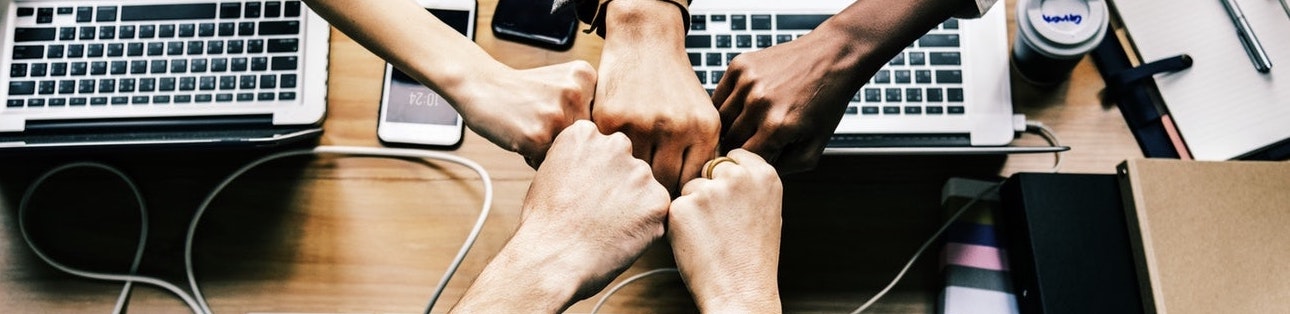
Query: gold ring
712, 164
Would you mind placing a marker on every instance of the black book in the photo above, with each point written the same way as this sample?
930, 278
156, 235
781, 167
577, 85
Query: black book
1068, 243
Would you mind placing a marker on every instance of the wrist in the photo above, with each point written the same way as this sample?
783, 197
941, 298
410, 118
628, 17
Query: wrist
738, 295
869, 33
647, 21
528, 275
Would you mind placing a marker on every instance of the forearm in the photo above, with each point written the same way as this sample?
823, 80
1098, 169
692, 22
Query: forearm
644, 24
410, 38
526, 276
868, 33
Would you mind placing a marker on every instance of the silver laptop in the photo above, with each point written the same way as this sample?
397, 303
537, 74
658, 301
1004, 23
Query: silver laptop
947, 92
94, 74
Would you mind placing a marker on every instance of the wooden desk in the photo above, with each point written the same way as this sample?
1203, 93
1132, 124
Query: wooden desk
333, 234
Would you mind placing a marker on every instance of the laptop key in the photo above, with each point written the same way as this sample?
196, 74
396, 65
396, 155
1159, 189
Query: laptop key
852, 110
872, 95
239, 64
126, 32
94, 50
46, 87
246, 82
39, 69
914, 94
280, 28
703, 76
255, 46
18, 70
166, 84
80, 68
913, 110
723, 41
868, 110
183, 99
21, 52
923, 76
949, 76
714, 59
954, 95
224, 97
738, 22
955, 110
14, 103
935, 95
58, 69
147, 31
87, 32
58, 102
944, 58
890, 110
125, 85
139, 100
207, 83
66, 33
284, 45
187, 30
118, 67
939, 40
935, 110
158, 66
698, 41
698, 22
202, 98
917, 58
763, 41
36, 102
288, 81
156, 49
25, 34
882, 77
902, 77
66, 87
107, 32
259, 63
105, 14
107, 85
174, 48
287, 96
196, 47
242, 97
77, 101
252, 10
284, 63
206, 30
743, 41
760, 22
266, 96
187, 83
226, 29
291, 9
272, 9
22, 88
227, 82
166, 30
147, 84
120, 100
696, 59
161, 99
268, 81
899, 59
893, 94
98, 101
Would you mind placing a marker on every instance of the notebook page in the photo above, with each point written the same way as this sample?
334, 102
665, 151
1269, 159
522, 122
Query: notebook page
1223, 107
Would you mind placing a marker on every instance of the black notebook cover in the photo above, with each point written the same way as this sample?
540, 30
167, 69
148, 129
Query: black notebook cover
1068, 245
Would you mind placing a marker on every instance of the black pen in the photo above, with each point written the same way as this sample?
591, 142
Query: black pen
1251, 43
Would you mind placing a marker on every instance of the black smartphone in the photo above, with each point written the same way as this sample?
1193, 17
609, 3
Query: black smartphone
532, 22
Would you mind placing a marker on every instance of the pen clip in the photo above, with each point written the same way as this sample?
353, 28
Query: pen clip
1121, 80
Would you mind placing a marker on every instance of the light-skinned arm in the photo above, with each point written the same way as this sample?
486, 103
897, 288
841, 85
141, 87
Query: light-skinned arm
648, 91
519, 110
591, 210
725, 234
785, 101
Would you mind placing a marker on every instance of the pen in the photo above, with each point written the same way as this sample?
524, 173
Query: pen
1251, 43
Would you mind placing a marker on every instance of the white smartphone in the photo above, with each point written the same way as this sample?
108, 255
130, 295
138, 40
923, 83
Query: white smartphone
412, 114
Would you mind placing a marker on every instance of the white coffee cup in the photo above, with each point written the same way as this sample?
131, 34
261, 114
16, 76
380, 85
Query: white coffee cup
1053, 35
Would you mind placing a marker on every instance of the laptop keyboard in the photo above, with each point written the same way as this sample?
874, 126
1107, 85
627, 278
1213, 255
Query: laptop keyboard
98, 55
926, 79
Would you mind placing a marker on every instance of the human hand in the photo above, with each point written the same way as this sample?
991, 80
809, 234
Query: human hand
523, 110
725, 233
648, 91
785, 101
591, 210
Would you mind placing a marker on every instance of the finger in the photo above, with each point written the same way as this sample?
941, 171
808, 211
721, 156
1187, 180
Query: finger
769, 142
724, 169
743, 128
694, 186
732, 105
801, 156
667, 160
726, 85
748, 159
695, 157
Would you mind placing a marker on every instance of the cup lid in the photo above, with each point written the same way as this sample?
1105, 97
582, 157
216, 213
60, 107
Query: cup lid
1064, 27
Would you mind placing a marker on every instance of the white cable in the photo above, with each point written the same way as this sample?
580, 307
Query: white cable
196, 302
1050, 137
624, 283
130, 278
926, 244
355, 151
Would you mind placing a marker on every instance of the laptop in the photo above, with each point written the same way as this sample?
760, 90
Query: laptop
160, 73
948, 92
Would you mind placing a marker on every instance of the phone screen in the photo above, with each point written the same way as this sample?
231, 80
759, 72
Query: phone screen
409, 101
533, 22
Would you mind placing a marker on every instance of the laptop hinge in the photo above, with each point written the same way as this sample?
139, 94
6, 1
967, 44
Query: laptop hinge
162, 123
900, 140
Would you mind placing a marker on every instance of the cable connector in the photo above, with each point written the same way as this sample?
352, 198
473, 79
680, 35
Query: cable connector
1019, 123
